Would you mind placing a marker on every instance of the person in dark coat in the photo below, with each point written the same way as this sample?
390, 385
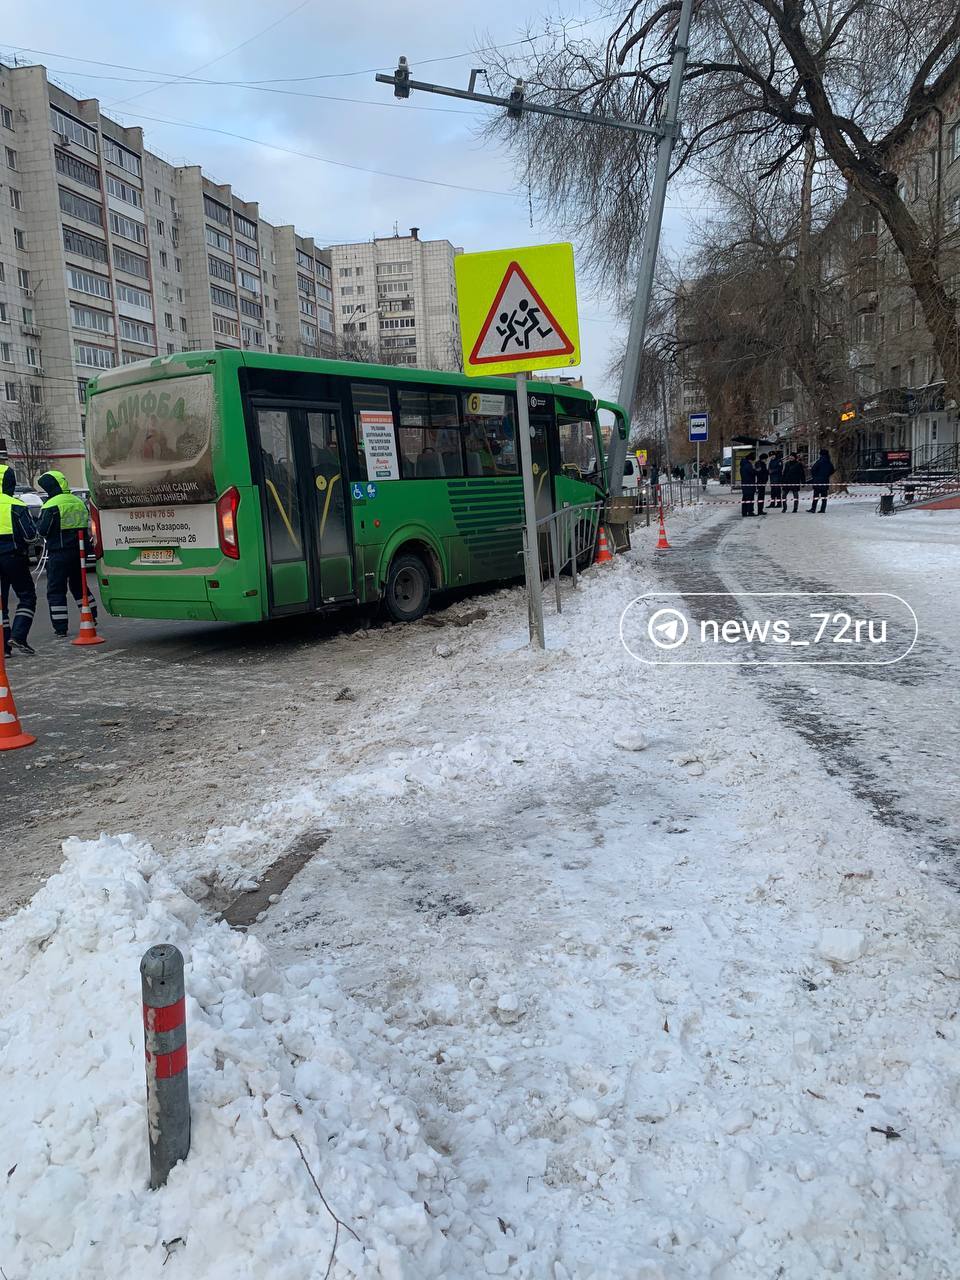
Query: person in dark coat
17, 533
761, 472
820, 474
794, 475
775, 467
748, 484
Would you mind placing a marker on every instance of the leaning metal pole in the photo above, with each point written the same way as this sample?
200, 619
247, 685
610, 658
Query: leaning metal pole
617, 452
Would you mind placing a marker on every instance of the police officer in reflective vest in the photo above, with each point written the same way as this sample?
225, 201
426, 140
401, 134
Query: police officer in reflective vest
17, 531
63, 517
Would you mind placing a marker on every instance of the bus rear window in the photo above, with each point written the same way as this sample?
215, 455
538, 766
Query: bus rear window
148, 444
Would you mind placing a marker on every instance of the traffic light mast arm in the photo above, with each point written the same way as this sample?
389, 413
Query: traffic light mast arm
516, 105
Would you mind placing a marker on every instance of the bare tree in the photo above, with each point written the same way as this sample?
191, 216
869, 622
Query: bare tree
763, 77
27, 431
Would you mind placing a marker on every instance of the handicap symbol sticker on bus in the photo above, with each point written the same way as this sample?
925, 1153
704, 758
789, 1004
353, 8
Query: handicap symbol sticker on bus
358, 491
371, 490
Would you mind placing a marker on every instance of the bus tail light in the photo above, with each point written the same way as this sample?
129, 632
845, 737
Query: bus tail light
227, 505
96, 542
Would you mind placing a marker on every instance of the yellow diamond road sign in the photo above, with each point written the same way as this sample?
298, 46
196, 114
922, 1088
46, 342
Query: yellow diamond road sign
518, 309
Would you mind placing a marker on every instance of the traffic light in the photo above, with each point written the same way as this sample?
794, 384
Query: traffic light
515, 109
401, 88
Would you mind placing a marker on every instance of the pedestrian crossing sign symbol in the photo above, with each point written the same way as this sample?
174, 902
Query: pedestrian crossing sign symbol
518, 309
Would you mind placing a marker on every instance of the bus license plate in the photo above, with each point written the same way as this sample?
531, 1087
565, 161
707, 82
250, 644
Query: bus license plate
156, 555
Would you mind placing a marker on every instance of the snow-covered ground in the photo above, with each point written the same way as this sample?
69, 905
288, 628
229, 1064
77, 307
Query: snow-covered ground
596, 973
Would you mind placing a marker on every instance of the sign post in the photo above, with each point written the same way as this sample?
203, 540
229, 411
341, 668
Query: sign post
518, 312
699, 428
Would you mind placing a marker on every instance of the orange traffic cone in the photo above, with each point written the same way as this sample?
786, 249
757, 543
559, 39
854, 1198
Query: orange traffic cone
88, 628
662, 543
604, 555
11, 730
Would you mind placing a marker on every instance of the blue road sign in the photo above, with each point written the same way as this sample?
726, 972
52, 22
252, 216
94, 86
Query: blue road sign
699, 422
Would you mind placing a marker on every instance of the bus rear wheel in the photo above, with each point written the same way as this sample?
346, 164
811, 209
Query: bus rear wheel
407, 593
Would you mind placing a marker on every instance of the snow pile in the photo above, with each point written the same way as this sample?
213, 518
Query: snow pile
266, 1062
583, 982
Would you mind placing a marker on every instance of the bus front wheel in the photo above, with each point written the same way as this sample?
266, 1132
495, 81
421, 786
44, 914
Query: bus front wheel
407, 593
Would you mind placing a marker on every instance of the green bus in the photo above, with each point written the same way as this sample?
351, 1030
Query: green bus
228, 485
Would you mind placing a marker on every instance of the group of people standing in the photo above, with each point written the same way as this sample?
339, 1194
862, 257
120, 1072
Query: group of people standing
63, 517
785, 477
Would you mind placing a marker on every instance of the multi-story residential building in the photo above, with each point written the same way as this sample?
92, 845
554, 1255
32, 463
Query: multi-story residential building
109, 254
395, 300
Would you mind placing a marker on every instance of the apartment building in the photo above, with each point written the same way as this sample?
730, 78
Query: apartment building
891, 399
395, 301
109, 254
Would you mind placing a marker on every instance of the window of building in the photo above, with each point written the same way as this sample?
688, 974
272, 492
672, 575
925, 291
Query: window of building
307, 286
325, 320
407, 322
325, 294
16, 200
251, 309
4, 318
26, 315
132, 263
912, 372
398, 344
80, 207
91, 318
179, 294
178, 264
95, 357
73, 129
304, 260
183, 325
6, 117
23, 278
36, 394
33, 357
954, 142
19, 239
82, 389
6, 355
324, 273
219, 269
953, 210
134, 297
84, 246
11, 157
217, 240
76, 169
116, 154
248, 281
2, 276
247, 253
136, 331
251, 337
164, 262
168, 319
222, 297
157, 196
159, 226
394, 268
218, 212
245, 226
345, 272
226, 326
307, 307
308, 334
124, 191
175, 238
121, 225
87, 282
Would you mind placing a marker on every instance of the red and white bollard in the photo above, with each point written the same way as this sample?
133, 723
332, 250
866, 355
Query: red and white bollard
165, 1045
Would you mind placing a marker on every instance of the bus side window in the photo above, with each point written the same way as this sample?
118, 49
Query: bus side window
429, 434
368, 397
490, 434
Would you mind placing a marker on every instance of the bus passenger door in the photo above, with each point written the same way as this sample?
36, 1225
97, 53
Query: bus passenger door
284, 544
327, 481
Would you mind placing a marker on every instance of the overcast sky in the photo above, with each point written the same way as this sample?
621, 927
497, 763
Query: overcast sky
335, 48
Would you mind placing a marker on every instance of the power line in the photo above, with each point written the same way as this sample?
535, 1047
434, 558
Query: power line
220, 57
255, 88
327, 75
340, 164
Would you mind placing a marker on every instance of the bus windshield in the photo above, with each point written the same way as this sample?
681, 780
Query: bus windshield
150, 445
